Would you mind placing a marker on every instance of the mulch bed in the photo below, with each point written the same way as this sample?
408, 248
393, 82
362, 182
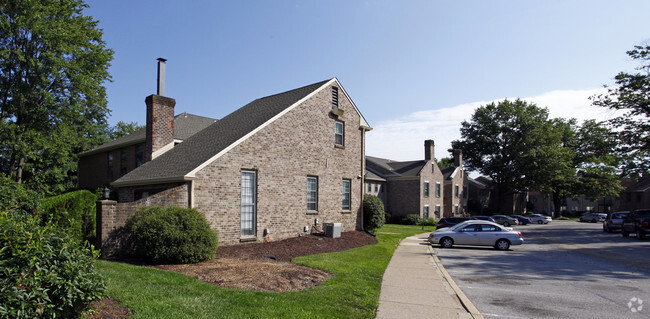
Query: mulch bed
257, 266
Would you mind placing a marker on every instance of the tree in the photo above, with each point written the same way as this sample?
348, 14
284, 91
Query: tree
514, 143
631, 95
446, 162
122, 129
53, 64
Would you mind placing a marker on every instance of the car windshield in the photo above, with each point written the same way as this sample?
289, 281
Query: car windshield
619, 215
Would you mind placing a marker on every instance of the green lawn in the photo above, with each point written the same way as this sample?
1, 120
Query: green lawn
353, 290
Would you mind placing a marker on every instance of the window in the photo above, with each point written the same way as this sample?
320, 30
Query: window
312, 193
248, 200
426, 211
369, 187
109, 167
426, 189
138, 155
335, 97
122, 161
339, 133
377, 188
438, 190
456, 191
437, 212
456, 209
464, 191
346, 194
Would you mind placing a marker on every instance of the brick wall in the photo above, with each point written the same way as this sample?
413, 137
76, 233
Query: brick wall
283, 154
93, 169
160, 123
112, 215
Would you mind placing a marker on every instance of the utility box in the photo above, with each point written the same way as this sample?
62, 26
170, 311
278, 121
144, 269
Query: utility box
332, 230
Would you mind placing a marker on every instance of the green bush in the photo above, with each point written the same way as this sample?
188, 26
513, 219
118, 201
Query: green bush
44, 273
412, 219
16, 199
373, 212
74, 212
430, 222
171, 235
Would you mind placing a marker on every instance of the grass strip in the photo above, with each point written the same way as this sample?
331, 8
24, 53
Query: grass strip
352, 292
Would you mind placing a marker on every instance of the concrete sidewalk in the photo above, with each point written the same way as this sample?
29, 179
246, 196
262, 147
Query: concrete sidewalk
415, 285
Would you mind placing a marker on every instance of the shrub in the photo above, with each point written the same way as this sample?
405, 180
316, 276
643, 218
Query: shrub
171, 235
74, 212
44, 273
430, 222
412, 219
373, 212
16, 199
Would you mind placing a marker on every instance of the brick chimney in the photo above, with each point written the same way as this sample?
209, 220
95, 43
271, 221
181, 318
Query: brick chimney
160, 118
429, 150
458, 158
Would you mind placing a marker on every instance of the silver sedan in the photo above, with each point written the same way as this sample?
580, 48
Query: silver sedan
477, 233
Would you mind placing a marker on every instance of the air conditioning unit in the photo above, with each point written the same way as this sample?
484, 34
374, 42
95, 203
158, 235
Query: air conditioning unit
332, 230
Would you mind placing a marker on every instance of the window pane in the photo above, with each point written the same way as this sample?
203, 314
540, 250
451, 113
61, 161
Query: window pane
312, 193
248, 204
338, 133
346, 195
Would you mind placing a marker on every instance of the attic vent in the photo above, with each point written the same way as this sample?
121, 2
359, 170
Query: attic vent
335, 102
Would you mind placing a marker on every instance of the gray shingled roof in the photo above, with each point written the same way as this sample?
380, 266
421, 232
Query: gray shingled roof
177, 163
386, 168
185, 125
448, 171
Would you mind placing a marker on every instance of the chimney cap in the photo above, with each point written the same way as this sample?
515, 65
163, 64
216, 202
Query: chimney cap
162, 60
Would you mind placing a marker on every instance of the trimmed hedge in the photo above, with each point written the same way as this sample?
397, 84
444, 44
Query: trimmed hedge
171, 235
373, 212
74, 212
44, 273
412, 219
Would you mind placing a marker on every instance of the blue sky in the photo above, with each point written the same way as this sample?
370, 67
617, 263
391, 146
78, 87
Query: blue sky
415, 69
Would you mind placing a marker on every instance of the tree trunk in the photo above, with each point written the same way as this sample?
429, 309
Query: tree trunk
556, 204
19, 170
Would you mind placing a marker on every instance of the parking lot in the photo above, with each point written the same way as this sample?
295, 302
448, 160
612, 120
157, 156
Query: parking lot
565, 269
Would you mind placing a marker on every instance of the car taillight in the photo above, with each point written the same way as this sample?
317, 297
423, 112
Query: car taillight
611, 222
645, 224
519, 233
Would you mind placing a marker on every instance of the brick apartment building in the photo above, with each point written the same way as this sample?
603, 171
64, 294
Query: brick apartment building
268, 170
411, 187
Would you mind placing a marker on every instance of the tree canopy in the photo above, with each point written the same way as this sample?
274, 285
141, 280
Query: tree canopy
631, 96
53, 64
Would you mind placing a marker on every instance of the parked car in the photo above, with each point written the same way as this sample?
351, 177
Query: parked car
487, 218
540, 219
522, 220
476, 233
505, 220
450, 221
637, 222
613, 221
593, 217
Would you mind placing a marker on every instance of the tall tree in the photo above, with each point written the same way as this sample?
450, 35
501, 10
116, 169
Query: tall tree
53, 64
631, 95
123, 128
512, 142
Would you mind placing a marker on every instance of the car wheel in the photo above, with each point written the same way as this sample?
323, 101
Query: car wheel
625, 233
640, 234
502, 244
605, 229
506, 224
446, 242
540, 222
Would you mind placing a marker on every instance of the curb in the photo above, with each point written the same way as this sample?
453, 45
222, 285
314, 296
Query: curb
469, 306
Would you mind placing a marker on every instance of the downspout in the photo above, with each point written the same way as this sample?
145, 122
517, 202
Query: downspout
363, 171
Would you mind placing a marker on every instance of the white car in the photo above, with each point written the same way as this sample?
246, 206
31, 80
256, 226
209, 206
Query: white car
539, 219
477, 233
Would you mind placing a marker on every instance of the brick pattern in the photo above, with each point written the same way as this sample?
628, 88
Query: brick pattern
451, 200
406, 196
283, 154
160, 123
93, 169
298, 144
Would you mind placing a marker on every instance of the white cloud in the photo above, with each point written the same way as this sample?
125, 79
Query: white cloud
403, 138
